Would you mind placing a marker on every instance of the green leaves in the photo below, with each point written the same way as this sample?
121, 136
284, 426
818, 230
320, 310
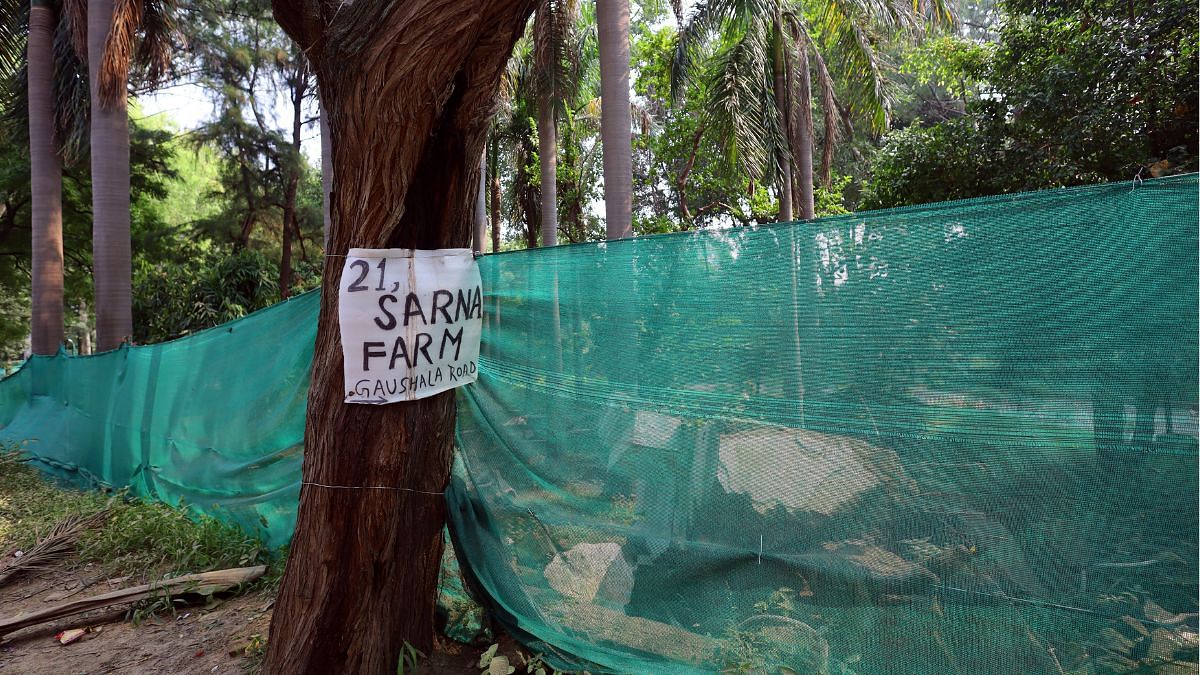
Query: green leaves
1072, 94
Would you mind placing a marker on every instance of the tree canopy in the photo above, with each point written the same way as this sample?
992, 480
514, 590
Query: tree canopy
1009, 95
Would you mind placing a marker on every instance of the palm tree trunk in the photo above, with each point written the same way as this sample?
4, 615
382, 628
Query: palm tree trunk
110, 193
548, 161
616, 134
802, 151
783, 110
494, 169
361, 576
45, 171
479, 233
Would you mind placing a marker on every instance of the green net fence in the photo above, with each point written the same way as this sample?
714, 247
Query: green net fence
959, 438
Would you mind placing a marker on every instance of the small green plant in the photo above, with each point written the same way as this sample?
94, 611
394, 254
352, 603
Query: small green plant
410, 659
536, 665
495, 664
152, 608
255, 651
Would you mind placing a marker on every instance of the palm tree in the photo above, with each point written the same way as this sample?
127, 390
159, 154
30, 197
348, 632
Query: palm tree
45, 171
554, 39
758, 78
513, 136
112, 40
41, 83
546, 44
612, 23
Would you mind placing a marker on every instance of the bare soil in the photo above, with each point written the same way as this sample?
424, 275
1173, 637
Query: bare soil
225, 637
222, 638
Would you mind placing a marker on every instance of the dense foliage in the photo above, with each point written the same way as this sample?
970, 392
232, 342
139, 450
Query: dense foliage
901, 109
1071, 93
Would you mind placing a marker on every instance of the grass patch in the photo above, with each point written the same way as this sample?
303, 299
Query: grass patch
140, 538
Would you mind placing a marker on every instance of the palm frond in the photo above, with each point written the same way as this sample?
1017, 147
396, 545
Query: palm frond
935, 13
74, 13
692, 38
72, 106
158, 36
848, 34
555, 42
13, 28
742, 110
14, 92
55, 546
119, 47
831, 113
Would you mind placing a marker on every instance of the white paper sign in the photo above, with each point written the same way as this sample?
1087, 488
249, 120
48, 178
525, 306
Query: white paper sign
410, 322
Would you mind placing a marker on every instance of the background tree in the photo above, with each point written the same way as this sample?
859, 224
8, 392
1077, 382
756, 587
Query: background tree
45, 170
553, 38
45, 108
245, 61
612, 23
757, 79
1069, 95
409, 119
116, 33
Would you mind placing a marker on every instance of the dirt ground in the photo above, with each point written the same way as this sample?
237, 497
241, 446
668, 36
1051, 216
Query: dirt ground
226, 637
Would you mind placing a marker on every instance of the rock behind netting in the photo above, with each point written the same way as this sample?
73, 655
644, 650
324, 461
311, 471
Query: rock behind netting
805, 470
592, 572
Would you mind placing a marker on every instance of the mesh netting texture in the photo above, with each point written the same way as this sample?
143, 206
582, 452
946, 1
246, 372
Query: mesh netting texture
959, 438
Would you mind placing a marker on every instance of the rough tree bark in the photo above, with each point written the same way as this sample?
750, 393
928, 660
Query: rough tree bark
408, 87
45, 172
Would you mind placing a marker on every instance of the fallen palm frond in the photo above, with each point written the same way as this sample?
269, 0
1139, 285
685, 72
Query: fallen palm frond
55, 546
11, 457
205, 583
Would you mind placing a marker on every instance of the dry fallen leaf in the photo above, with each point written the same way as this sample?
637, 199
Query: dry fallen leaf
68, 636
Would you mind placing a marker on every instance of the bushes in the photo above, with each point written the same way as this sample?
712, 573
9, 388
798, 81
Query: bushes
173, 299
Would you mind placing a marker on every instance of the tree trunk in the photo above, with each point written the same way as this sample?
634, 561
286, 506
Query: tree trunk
408, 88
326, 175
479, 232
802, 150
85, 333
616, 134
285, 256
548, 161
685, 213
45, 171
110, 192
783, 110
494, 169
290, 224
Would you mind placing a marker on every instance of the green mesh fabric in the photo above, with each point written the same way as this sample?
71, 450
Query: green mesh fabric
215, 420
950, 439
959, 438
